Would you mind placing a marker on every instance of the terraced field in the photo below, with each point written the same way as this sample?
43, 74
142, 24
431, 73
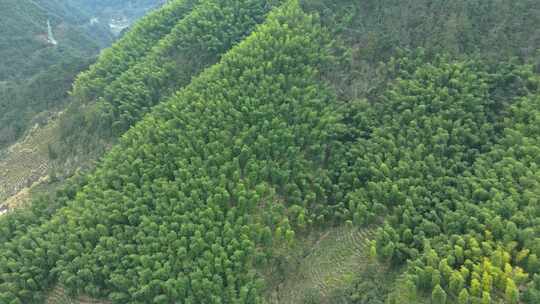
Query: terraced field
329, 261
58, 296
25, 163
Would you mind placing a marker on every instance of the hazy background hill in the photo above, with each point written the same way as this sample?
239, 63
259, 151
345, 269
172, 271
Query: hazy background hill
35, 74
24, 49
116, 14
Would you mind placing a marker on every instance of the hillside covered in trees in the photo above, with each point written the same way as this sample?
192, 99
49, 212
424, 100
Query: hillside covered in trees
230, 132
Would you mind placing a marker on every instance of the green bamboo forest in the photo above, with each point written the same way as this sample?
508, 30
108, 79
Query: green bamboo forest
217, 146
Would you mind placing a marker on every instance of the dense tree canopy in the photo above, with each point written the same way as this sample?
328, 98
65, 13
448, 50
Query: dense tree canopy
433, 151
250, 122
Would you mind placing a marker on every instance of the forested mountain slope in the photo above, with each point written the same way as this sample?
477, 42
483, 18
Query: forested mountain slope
138, 74
128, 46
220, 228
414, 135
29, 102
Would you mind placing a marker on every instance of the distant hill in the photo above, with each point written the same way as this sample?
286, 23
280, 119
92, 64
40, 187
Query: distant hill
23, 29
24, 49
35, 74
107, 12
